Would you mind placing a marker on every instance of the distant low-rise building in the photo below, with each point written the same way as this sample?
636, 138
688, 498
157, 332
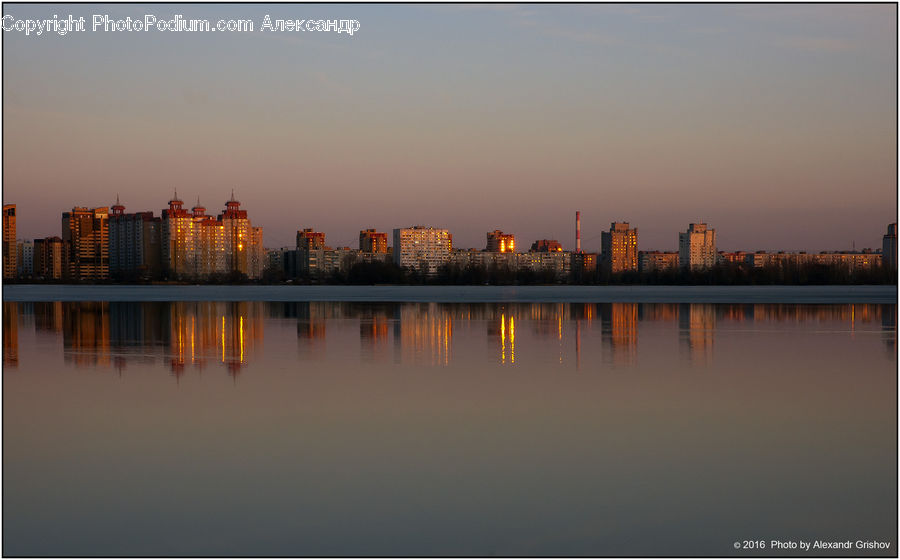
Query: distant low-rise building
546, 246
557, 262
584, 265
321, 263
848, 260
657, 261
736, 257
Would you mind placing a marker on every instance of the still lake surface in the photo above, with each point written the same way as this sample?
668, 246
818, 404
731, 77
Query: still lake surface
425, 428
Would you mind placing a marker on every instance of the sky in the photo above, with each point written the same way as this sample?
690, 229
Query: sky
775, 124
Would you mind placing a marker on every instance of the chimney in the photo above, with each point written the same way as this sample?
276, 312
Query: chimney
577, 232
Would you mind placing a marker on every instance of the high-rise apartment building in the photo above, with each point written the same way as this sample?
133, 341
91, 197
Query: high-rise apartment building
309, 240
50, 258
85, 232
424, 249
256, 254
237, 237
889, 247
177, 240
24, 258
9, 241
371, 241
499, 242
619, 248
697, 247
195, 245
134, 243
209, 254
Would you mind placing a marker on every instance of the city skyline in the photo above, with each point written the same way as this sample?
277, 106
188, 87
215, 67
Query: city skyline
774, 123
568, 242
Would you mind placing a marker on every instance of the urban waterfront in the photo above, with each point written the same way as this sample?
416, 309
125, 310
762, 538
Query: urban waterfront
425, 428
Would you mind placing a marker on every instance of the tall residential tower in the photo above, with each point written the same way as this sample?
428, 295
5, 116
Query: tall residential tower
619, 248
697, 247
9, 241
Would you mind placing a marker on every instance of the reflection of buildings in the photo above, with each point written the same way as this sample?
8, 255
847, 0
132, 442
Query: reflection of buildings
311, 320
226, 332
847, 313
185, 333
658, 312
10, 333
547, 318
582, 313
423, 334
48, 316
503, 329
697, 323
618, 323
889, 326
373, 335
194, 335
86, 332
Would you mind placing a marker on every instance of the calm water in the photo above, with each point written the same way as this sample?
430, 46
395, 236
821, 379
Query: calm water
265, 428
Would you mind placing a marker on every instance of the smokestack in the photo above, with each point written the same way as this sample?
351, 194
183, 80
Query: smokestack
577, 232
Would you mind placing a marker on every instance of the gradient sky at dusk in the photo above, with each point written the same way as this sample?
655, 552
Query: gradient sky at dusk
776, 124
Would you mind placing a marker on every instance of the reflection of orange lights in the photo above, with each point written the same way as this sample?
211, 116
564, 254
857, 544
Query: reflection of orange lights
241, 337
512, 340
502, 339
507, 332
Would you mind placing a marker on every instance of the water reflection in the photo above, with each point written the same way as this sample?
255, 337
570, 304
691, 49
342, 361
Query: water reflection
619, 326
194, 335
444, 429
697, 322
10, 333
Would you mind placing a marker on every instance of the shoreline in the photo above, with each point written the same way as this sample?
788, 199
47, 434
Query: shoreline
837, 294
